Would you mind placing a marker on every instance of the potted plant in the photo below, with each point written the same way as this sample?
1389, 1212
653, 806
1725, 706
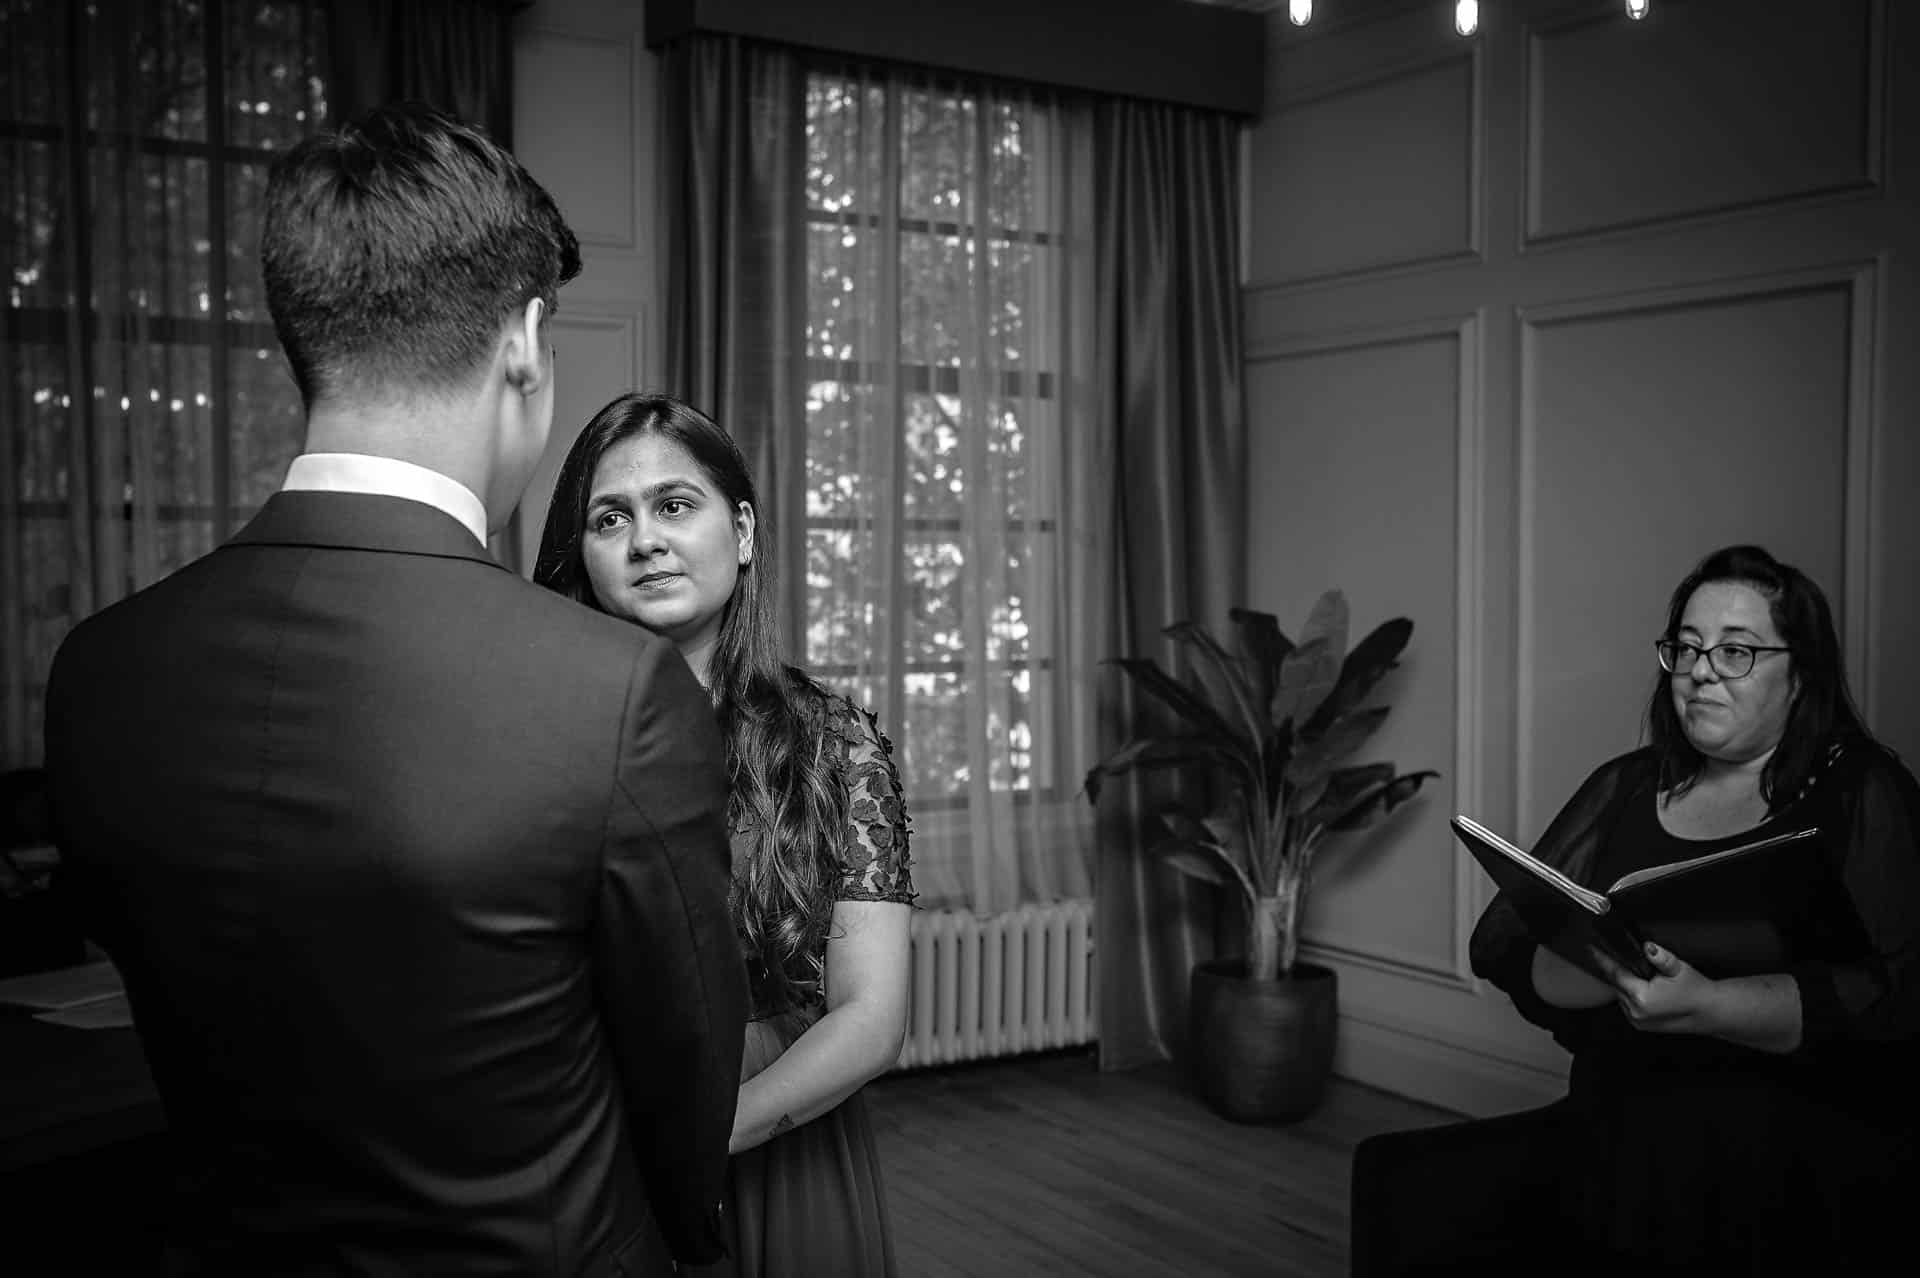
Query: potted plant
1272, 724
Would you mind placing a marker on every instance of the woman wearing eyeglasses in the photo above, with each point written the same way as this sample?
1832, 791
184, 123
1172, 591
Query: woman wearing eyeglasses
1756, 1123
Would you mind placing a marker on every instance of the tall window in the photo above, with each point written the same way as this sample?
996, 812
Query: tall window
146, 408
937, 274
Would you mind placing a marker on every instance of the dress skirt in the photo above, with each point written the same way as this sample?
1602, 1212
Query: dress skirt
809, 1203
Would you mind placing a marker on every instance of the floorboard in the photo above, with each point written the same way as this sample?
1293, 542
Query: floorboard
1042, 1165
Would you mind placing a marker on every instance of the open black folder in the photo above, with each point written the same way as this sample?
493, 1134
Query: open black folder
1715, 911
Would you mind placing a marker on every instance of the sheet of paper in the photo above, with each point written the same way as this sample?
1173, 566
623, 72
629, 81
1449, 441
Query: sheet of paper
106, 1013
61, 988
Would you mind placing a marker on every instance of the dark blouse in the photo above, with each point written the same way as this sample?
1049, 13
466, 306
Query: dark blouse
1860, 1011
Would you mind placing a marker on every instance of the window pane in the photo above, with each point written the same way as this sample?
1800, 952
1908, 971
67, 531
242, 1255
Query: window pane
938, 583
151, 258
1010, 719
937, 140
846, 615
845, 132
940, 716
163, 406
46, 591
269, 424
274, 93
1010, 194
169, 69
1009, 633
39, 393
33, 178
936, 604
31, 33
935, 306
1012, 281
936, 468
839, 451
246, 198
838, 314
933, 747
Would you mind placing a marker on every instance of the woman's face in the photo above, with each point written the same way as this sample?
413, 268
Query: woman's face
1732, 720
662, 547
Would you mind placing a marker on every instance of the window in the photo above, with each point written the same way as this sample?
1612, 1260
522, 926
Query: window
932, 447
149, 410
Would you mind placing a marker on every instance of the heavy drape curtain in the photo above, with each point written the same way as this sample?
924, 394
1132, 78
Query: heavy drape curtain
880, 281
146, 409
1169, 357
455, 54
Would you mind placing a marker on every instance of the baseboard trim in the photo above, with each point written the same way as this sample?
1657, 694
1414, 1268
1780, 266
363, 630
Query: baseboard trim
1438, 1073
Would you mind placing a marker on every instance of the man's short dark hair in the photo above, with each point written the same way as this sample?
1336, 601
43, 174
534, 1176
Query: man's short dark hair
395, 247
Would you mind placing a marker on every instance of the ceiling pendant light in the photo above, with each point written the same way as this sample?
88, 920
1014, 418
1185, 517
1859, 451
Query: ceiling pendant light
1301, 11
1466, 17
1636, 9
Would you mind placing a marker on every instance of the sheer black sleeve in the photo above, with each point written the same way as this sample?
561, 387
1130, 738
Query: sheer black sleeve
1875, 812
1501, 948
875, 864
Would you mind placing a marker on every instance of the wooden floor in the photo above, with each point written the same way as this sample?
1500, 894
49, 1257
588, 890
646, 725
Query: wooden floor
1044, 1166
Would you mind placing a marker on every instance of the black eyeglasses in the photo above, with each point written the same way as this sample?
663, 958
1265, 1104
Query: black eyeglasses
1729, 660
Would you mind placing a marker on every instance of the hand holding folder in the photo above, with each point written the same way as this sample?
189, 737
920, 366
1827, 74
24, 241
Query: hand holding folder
1715, 911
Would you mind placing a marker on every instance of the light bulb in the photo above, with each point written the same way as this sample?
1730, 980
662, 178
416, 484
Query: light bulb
1466, 17
1301, 11
1636, 9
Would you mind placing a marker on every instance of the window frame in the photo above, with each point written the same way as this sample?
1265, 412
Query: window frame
894, 225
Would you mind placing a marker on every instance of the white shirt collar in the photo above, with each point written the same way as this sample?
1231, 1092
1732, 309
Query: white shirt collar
388, 477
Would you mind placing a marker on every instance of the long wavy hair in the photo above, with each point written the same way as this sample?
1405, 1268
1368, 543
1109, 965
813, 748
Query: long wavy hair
783, 787
1822, 713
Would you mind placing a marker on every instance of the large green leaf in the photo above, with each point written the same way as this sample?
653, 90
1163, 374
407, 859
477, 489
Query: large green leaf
1363, 668
1186, 827
1276, 755
1308, 793
1328, 621
1226, 825
1146, 754
1344, 787
1184, 701
1316, 758
1307, 675
1379, 800
1197, 865
1265, 647
1206, 861
1228, 670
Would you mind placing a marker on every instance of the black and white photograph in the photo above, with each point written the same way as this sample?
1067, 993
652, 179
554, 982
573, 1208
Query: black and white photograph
862, 639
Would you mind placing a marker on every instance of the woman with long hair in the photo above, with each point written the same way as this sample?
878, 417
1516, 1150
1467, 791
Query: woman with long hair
654, 519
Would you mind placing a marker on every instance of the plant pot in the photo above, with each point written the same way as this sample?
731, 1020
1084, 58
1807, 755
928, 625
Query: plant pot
1262, 1051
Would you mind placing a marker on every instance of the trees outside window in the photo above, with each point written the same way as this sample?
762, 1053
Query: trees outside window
146, 409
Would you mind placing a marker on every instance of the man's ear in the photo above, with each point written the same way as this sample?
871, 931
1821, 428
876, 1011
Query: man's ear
526, 369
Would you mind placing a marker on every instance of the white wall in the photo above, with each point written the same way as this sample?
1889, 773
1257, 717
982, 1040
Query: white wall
584, 126
1535, 320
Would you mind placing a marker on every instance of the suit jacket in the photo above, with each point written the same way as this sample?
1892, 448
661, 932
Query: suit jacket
417, 877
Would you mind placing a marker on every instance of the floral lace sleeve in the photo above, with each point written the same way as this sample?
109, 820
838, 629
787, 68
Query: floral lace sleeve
874, 862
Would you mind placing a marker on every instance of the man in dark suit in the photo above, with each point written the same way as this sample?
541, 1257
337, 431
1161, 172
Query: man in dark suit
416, 873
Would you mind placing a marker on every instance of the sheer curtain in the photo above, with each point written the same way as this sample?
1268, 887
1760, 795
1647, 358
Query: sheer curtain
928, 443
145, 409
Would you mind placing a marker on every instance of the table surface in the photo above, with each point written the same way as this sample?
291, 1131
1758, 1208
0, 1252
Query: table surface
70, 1091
